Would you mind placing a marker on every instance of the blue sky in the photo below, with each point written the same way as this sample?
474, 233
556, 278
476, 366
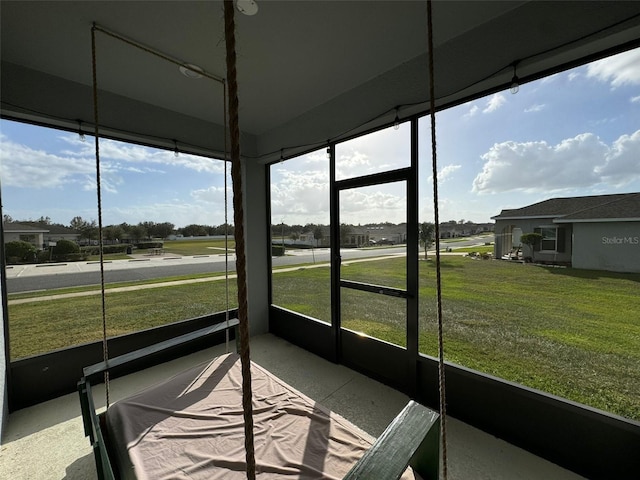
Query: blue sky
575, 133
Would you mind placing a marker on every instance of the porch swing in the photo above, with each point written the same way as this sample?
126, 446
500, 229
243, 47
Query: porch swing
192, 425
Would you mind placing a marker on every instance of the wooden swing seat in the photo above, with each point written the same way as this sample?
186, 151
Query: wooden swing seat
191, 427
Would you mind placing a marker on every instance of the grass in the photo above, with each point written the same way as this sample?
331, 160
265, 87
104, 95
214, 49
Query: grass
63, 322
197, 247
477, 249
573, 333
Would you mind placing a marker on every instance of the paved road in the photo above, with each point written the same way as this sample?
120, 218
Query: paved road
24, 278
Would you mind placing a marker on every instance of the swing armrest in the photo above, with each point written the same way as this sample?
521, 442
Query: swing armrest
93, 372
412, 439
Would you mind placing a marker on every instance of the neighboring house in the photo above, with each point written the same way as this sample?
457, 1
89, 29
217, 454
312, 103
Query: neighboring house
455, 229
355, 237
387, 234
597, 232
40, 235
60, 232
26, 233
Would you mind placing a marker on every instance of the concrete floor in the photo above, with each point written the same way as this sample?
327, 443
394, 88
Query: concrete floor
47, 441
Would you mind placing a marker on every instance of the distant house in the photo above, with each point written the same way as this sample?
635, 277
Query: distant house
355, 237
40, 235
596, 232
25, 233
387, 234
455, 229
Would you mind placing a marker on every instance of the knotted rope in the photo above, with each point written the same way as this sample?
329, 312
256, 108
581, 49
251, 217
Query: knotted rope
105, 345
434, 164
238, 219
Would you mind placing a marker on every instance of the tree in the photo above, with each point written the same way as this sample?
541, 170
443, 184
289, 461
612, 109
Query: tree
7, 218
164, 229
194, 230
137, 232
86, 230
426, 233
532, 240
294, 235
318, 234
112, 232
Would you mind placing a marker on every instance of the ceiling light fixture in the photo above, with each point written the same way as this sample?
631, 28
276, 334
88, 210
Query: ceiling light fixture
176, 152
515, 81
191, 71
247, 7
396, 121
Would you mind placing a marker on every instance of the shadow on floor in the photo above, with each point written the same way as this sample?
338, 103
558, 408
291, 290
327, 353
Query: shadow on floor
83, 468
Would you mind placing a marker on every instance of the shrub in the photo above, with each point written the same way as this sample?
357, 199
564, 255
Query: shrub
19, 251
277, 250
65, 247
533, 240
44, 256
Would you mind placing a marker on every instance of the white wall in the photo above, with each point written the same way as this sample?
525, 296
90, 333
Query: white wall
258, 246
612, 246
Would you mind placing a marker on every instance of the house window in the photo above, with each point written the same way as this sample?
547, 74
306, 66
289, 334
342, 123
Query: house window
552, 239
549, 238
28, 238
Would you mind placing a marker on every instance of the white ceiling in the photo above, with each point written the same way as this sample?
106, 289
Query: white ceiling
308, 71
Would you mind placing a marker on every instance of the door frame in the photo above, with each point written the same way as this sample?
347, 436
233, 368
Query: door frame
391, 364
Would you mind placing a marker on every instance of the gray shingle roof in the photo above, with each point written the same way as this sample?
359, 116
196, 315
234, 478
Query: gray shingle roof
21, 227
598, 207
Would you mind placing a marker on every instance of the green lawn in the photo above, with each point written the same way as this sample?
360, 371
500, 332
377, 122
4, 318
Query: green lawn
573, 333
197, 247
570, 332
39, 327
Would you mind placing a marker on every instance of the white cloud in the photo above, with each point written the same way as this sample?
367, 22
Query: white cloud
299, 196
22, 166
579, 162
213, 195
447, 172
494, 103
124, 152
621, 69
573, 75
622, 163
549, 79
535, 108
472, 111
635, 99
107, 183
357, 163
178, 212
25, 167
358, 206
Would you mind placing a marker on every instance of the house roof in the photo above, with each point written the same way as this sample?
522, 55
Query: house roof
616, 207
54, 228
21, 227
